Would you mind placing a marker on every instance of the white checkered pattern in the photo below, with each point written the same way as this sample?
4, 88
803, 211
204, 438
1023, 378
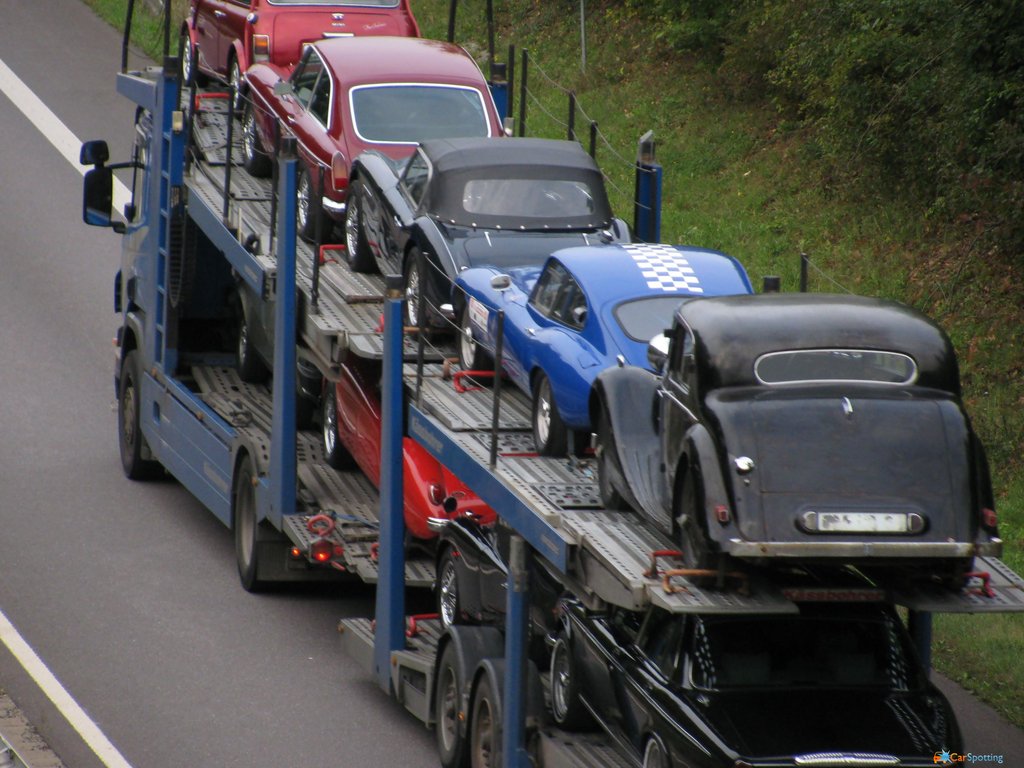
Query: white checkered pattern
664, 267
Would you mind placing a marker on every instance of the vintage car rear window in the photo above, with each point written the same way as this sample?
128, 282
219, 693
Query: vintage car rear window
818, 365
409, 113
643, 319
796, 652
528, 198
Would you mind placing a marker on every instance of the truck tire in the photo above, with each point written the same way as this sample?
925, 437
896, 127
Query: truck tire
449, 728
131, 443
486, 738
246, 527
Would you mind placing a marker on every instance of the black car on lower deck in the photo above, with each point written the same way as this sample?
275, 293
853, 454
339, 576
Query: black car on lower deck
469, 202
801, 427
835, 684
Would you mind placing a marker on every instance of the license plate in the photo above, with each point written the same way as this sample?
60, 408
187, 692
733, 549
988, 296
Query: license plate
862, 522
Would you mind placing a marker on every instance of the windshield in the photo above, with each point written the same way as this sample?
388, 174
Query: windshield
798, 651
817, 365
410, 113
354, 3
643, 319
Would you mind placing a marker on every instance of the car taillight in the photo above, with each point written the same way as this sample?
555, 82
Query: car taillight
435, 493
339, 172
261, 47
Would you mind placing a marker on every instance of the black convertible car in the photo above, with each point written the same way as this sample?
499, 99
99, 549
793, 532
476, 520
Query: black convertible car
836, 684
805, 426
459, 203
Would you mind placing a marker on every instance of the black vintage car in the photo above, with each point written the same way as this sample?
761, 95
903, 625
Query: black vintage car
836, 684
459, 203
805, 426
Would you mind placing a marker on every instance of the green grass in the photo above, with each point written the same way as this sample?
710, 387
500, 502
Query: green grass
740, 179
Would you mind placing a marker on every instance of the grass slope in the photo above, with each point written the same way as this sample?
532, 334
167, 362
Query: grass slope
740, 179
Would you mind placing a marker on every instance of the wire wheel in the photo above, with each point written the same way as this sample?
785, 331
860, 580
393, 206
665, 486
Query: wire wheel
448, 590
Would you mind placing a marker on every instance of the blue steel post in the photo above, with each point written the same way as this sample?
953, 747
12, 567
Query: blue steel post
390, 632
516, 638
282, 450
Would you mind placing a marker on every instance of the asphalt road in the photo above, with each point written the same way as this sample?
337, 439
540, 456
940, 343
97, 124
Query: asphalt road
128, 592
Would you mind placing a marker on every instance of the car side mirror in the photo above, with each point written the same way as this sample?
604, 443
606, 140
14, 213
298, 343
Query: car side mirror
657, 352
283, 88
501, 282
98, 199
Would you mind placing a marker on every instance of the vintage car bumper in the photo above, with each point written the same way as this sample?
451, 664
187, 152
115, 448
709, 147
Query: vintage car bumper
857, 550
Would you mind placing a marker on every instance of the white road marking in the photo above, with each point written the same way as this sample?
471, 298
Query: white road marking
51, 126
68, 145
56, 692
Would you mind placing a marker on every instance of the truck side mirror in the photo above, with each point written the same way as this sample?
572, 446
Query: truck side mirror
657, 352
98, 199
94, 153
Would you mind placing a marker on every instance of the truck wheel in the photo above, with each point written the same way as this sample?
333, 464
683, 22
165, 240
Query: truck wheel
485, 742
243, 509
451, 738
549, 432
448, 605
334, 451
688, 524
256, 158
129, 428
248, 364
472, 355
566, 707
357, 249
607, 460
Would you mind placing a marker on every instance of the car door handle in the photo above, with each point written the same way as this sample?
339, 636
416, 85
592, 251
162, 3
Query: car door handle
219, 14
531, 331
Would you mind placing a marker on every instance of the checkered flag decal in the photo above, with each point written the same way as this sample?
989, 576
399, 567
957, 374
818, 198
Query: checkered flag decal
664, 267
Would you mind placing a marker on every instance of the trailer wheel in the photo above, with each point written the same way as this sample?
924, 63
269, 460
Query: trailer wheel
243, 507
448, 605
335, 453
129, 427
451, 738
549, 431
485, 743
566, 707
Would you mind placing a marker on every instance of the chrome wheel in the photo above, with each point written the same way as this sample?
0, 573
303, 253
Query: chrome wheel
412, 292
448, 591
304, 193
235, 81
469, 351
330, 420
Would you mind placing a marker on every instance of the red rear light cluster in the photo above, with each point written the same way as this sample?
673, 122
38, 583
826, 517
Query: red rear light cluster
339, 172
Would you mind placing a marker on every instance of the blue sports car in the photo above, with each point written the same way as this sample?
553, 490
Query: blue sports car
584, 310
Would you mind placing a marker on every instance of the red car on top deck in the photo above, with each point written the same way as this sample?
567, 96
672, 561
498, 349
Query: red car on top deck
347, 96
351, 419
223, 38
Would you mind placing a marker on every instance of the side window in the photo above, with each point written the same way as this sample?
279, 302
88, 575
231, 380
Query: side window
661, 639
305, 76
572, 305
414, 178
680, 364
549, 286
320, 103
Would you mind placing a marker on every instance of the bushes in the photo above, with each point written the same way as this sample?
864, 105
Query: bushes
922, 98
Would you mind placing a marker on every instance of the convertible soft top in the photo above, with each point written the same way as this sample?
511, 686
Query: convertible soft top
731, 332
458, 161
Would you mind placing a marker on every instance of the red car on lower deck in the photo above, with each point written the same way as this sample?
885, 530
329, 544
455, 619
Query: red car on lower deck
351, 419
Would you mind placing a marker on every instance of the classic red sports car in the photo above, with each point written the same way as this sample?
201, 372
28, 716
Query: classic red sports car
350, 95
223, 38
351, 412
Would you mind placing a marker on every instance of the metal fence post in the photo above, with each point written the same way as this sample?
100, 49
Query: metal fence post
647, 201
522, 92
